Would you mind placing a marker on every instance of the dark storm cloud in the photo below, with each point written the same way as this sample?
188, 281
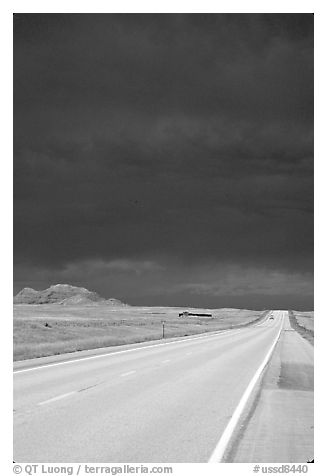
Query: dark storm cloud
172, 139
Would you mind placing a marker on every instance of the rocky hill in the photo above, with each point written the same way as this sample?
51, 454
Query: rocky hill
26, 296
64, 294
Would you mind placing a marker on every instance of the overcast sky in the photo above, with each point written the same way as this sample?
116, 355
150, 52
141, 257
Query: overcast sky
165, 159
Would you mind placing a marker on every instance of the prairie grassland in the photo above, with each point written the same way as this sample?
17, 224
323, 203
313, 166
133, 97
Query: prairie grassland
303, 323
43, 330
305, 319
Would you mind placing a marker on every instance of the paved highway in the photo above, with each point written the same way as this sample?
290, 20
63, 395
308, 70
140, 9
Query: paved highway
175, 401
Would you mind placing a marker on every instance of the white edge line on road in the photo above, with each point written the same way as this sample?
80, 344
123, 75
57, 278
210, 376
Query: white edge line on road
128, 373
64, 395
263, 322
218, 453
217, 334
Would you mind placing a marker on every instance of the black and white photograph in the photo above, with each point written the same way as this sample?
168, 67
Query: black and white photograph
163, 239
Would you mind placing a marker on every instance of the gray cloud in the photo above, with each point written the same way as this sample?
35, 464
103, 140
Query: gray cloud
172, 139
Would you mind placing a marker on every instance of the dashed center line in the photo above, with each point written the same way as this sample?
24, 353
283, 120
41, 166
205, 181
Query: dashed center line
54, 399
128, 373
210, 336
165, 361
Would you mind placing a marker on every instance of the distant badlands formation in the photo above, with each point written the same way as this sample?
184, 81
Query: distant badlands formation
64, 294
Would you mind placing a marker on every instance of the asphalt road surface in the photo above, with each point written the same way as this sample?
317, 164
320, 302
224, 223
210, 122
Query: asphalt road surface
165, 402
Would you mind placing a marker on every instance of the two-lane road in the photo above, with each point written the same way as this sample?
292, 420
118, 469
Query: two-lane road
166, 402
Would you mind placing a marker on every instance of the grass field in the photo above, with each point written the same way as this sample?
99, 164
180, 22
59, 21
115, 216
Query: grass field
42, 330
303, 323
305, 319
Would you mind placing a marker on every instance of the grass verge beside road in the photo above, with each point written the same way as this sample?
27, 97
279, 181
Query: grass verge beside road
44, 330
303, 323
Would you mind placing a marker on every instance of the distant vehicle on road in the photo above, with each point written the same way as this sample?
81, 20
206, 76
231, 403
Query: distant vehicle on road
270, 317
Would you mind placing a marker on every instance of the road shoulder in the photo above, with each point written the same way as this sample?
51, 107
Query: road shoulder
279, 426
